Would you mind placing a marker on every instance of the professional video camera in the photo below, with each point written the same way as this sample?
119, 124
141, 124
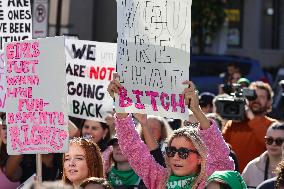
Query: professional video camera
232, 106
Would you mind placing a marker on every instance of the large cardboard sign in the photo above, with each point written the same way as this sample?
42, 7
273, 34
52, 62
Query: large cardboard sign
153, 56
15, 21
36, 96
89, 69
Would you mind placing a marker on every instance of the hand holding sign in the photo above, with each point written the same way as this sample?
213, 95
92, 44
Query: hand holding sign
191, 95
191, 99
114, 86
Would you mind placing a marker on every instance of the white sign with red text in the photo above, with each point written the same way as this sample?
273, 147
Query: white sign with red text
89, 69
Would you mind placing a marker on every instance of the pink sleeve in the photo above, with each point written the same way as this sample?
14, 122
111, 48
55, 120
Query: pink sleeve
106, 159
218, 150
139, 157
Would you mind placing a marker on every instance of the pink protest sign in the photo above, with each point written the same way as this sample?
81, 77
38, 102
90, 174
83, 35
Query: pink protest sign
153, 56
36, 97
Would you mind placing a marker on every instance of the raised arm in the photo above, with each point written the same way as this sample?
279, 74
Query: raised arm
134, 148
147, 132
218, 151
191, 99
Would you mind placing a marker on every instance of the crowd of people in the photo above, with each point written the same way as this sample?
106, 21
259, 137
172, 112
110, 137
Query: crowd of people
145, 151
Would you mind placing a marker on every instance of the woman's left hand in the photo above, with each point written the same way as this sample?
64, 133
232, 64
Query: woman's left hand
191, 96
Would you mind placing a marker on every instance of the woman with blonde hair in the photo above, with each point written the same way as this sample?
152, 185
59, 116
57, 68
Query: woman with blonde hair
83, 160
191, 156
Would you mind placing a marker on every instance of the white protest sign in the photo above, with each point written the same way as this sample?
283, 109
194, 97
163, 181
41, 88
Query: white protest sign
89, 69
2, 83
15, 21
36, 97
153, 56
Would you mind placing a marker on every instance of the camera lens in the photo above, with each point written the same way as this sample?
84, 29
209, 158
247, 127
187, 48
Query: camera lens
231, 108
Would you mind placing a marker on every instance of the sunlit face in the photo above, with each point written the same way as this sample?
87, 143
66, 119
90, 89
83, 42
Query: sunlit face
117, 154
94, 186
75, 164
274, 149
188, 166
95, 129
156, 128
3, 133
261, 104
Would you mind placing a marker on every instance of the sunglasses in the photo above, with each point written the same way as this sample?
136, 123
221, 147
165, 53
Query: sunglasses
270, 140
183, 153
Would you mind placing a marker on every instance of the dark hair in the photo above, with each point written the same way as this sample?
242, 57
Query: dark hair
3, 155
94, 180
3, 148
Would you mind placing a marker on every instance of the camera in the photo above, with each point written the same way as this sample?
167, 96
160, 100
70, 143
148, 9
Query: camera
232, 106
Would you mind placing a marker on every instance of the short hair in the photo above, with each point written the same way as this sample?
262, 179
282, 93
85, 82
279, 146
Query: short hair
263, 86
95, 180
93, 158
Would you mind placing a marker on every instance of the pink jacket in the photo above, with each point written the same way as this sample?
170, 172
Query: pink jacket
154, 175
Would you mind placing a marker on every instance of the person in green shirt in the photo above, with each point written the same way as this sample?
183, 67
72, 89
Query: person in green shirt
226, 180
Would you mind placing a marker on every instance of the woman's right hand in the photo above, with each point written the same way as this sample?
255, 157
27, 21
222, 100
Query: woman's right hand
113, 88
114, 85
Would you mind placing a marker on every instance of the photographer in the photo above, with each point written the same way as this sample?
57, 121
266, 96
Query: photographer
246, 136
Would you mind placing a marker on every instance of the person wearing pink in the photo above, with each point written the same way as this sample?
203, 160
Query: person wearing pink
192, 154
4, 181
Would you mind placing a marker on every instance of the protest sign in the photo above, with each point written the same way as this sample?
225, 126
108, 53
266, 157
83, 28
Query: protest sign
153, 56
2, 82
15, 21
89, 69
36, 97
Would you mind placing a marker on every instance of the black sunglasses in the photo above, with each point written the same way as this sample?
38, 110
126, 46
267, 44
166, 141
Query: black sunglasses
270, 140
183, 153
